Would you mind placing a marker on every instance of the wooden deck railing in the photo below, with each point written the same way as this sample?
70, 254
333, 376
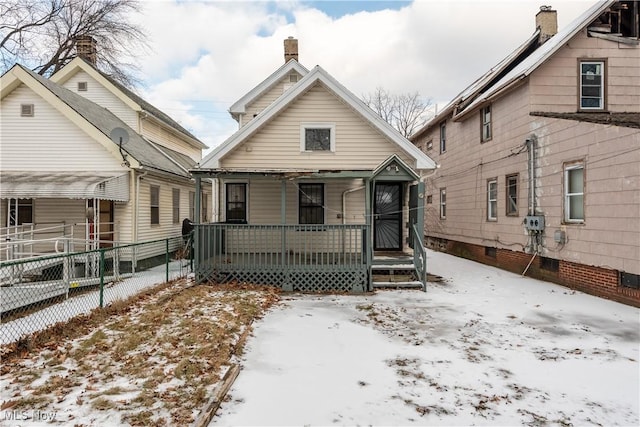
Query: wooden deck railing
291, 256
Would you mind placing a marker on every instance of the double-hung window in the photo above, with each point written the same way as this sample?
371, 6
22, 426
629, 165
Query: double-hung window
20, 211
574, 192
311, 204
512, 194
154, 191
492, 199
176, 205
592, 85
236, 199
443, 137
485, 123
317, 137
443, 203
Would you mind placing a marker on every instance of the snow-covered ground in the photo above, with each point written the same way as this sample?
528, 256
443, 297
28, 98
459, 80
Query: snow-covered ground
484, 347
82, 304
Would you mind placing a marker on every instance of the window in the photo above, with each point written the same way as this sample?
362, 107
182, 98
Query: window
26, 110
429, 145
311, 204
20, 211
429, 199
155, 204
192, 205
492, 199
490, 252
236, 199
512, 194
443, 137
317, 137
443, 203
485, 123
629, 280
592, 85
574, 192
82, 86
293, 78
176, 206
205, 207
550, 264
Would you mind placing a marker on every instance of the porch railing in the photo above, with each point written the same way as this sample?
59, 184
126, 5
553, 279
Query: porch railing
295, 257
419, 257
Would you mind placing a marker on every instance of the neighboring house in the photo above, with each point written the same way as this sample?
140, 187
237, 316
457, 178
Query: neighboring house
309, 187
540, 157
61, 170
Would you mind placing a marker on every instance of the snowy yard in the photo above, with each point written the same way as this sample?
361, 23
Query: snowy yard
484, 347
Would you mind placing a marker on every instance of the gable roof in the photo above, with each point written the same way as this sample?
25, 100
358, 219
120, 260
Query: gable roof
126, 95
317, 76
519, 68
239, 107
97, 121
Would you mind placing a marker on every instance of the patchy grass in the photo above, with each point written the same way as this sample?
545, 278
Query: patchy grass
154, 361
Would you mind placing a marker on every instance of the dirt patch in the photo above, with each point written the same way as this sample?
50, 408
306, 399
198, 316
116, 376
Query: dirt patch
152, 361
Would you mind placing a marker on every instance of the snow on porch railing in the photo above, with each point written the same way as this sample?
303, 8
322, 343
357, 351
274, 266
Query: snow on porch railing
419, 257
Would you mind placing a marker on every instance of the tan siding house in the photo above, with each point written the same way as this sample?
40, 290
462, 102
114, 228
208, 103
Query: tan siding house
312, 189
539, 160
60, 169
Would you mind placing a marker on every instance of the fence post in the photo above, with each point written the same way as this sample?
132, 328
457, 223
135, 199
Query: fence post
101, 278
166, 260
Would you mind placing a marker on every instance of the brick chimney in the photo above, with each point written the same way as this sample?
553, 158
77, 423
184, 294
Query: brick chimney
547, 22
290, 49
86, 48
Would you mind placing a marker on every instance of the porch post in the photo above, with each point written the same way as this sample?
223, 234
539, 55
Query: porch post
286, 285
420, 211
196, 230
368, 239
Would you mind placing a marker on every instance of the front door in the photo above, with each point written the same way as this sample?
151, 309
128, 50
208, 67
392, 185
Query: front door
387, 214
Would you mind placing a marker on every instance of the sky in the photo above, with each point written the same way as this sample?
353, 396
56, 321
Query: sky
205, 55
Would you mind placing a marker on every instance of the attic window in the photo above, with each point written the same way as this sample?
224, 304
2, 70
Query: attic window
621, 20
317, 137
26, 110
293, 78
82, 86
429, 145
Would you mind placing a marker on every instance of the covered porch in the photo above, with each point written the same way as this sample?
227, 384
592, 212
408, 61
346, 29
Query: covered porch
311, 231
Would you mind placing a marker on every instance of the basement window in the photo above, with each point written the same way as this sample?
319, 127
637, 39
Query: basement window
550, 264
490, 252
26, 110
629, 280
82, 86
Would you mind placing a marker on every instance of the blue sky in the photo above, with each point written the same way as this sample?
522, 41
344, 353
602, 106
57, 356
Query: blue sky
207, 54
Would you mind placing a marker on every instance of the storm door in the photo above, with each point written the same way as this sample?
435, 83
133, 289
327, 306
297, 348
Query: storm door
387, 218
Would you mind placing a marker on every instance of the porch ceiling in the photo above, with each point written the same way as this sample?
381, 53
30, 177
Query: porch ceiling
79, 185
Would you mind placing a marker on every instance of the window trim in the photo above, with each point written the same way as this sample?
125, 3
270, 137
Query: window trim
318, 125
175, 205
153, 188
486, 124
566, 167
322, 204
492, 213
443, 203
516, 212
603, 82
443, 137
246, 200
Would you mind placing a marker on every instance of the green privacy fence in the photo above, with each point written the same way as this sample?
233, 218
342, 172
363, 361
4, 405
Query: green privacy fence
38, 292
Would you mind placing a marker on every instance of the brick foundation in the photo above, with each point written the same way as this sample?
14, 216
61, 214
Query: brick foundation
597, 281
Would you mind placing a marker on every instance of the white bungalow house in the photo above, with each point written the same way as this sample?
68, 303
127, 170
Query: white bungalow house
312, 187
65, 172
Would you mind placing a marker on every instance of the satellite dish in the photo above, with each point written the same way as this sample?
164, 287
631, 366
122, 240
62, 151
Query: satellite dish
119, 136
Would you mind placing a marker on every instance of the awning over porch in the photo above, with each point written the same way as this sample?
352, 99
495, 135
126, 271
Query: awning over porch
65, 185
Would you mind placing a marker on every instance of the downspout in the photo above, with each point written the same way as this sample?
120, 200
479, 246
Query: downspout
344, 201
531, 143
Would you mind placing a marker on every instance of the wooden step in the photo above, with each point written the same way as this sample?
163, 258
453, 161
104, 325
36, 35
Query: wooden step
414, 284
393, 267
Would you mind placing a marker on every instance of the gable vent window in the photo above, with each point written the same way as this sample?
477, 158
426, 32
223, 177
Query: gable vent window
26, 110
82, 86
293, 78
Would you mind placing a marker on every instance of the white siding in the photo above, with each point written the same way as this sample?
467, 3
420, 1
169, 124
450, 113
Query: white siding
268, 98
97, 93
277, 144
162, 136
48, 141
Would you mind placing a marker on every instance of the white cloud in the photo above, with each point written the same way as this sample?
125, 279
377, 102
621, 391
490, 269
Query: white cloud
206, 55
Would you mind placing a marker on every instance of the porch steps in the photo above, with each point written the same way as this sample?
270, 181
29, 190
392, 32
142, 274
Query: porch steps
398, 276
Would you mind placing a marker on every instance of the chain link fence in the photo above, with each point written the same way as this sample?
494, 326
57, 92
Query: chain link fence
39, 292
